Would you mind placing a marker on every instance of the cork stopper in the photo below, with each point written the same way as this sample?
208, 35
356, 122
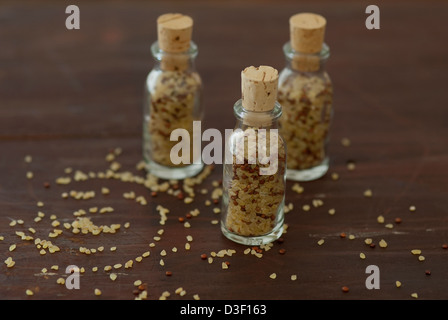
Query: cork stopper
259, 88
174, 62
305, 63
174, 32
307, 31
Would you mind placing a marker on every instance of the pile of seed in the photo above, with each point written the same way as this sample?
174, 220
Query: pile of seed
81, 223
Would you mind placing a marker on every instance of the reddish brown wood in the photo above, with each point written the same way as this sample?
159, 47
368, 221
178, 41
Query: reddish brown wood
68, 97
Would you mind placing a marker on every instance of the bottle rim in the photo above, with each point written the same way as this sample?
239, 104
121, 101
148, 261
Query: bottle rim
158, 53
290, 53
240, 112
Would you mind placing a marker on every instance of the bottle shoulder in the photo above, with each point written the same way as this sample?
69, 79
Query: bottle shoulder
240, 139
287, 74
290, 79
176, 81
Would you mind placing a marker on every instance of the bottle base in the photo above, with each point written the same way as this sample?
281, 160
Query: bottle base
176, 173
254, 240
311, 174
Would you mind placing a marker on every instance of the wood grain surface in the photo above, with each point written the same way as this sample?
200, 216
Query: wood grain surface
70, 97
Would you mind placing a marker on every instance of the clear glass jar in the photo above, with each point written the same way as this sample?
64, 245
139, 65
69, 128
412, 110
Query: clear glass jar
305, 92
173, 92
254, 188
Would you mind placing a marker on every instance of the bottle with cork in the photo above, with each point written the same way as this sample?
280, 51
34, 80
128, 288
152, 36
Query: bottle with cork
172, 101
305, 92
254, 171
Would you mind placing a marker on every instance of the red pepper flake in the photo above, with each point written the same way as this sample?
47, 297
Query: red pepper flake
342, 235
397, 220
181, 219
282, 251
372, 245
46, 185
180, 196
428, 272
204, 256
142, 287
444, 246
280, 240
189, 215
345, 289
154, 194
168, 273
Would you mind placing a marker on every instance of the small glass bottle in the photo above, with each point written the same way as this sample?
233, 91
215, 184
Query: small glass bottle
173, 92
254, 171
306, 95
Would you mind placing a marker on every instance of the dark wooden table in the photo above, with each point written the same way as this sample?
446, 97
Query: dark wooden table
70, 97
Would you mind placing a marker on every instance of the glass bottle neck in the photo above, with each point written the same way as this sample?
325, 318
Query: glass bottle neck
306, 62
179, 61
251, 119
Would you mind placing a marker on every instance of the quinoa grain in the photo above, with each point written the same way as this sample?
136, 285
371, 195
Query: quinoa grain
383, 243
137, 283
368, 193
